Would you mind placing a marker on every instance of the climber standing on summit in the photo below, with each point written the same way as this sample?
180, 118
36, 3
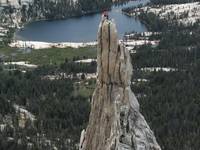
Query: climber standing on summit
105, 14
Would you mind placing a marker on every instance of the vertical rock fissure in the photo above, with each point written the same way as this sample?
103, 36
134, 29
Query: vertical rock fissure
120, 78
101, 50
115, 121
108, 52
115, 65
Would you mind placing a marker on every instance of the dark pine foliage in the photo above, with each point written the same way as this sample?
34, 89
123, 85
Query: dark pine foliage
170, 101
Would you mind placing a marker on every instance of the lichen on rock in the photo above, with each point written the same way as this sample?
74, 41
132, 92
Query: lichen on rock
115, 122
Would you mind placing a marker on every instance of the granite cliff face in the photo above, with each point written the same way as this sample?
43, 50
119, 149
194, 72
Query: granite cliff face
115, 122
32, 10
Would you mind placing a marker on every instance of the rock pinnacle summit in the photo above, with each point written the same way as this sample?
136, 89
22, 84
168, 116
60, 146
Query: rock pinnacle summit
115, 121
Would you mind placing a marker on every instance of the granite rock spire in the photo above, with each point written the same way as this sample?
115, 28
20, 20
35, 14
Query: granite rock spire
115, 122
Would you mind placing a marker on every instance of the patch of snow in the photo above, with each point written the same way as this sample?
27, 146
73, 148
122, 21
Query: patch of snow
88, 75
2, 34
146, 34
142, 80
157, 69
29, 145
131, 43
23, 71
85, 61
45, 45
10, 139
21, 63
69, 76
2, 127
139, 80
4, 30
133, 51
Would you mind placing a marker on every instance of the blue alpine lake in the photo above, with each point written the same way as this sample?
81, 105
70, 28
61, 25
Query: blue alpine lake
80, 29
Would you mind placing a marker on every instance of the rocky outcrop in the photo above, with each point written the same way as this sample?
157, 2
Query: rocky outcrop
32, 10
115, 122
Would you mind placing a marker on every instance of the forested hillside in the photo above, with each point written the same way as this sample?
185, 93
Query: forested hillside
170, 100
45, 9
63, 8
39, 113
172, 1
46, 108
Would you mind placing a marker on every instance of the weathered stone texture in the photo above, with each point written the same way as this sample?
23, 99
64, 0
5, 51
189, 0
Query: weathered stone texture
115, 122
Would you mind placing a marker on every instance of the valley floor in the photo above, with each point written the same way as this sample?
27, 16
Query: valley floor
45, 93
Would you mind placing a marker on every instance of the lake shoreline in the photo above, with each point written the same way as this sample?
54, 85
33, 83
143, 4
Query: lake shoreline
130, 43
45, 45
71, 30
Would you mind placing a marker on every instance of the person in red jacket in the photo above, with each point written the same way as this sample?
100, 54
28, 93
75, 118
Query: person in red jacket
105, 14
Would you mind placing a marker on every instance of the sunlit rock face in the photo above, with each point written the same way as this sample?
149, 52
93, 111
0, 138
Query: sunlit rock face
115, 122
